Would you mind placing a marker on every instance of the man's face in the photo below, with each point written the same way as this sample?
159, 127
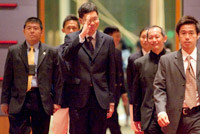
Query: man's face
32, 32
188, 37
156, 39
116, 37
70, 26
143, 41
93, 21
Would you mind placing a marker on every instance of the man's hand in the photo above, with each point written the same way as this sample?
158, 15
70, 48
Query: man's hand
163, 120
137, 126
86, 27
4, 108
56, 107
111, 110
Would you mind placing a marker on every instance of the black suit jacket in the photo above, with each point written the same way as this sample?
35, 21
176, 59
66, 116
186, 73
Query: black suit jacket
143, 102
86, 70
119, 84
16, 77
130, 72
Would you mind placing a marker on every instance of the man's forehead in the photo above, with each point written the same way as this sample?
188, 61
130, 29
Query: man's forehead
188, 27
32, 24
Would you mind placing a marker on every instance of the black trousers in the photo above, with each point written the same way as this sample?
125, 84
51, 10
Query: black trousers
90, 119
189, 124
32, 116
113, 123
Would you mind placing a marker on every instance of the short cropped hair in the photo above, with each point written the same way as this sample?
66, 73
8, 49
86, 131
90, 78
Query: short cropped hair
187, 20
144, 29
162, 30
34, 20
87, 8
110, 30
71, 17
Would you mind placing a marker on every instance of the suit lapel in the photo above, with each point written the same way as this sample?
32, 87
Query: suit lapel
23, 54
42, 54
99, 43
179, 63
86, 48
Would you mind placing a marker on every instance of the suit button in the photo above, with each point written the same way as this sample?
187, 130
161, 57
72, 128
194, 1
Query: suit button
115, 85
90, 85
92, 63
120, 84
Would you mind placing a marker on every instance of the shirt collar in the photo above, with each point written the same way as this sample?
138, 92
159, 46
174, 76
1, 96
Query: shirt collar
36, 46
93, 36
193, 54
144, 52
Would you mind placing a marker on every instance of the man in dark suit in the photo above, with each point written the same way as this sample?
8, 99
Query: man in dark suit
91, 82
142, 86
61, 117
31, 91
120, 91
176, 80
145, 48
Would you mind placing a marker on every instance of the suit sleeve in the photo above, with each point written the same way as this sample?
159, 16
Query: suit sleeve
7, 79
129, 73
136, 94
71, 47
57, 79
123, 89
160, 88
112, 71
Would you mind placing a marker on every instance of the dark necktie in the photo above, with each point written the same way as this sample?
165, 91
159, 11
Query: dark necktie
90, 45
191, 86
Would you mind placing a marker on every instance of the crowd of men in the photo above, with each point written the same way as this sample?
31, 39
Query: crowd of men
81, 81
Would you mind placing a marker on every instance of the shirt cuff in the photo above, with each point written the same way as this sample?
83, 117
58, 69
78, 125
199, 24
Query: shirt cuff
80, 39
162, 113
112, 104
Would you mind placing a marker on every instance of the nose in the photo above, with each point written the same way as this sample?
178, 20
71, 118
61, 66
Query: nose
187, 36
154, 39
71, 30
32, 30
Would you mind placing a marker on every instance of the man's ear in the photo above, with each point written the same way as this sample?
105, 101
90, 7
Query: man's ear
63, 30
80, 20
165, 38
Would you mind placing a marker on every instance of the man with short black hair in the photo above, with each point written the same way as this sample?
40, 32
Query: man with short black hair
176, 84
120, 91
91, 81
145, 68
70, 24
31, 85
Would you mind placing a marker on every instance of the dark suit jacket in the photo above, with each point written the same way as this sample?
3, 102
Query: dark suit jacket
86, 70
119, 84
143, 102
169, 85
66, 76
130, 72
16, 77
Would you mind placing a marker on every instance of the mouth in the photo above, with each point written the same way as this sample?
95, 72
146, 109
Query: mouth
32, 36
186, 42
